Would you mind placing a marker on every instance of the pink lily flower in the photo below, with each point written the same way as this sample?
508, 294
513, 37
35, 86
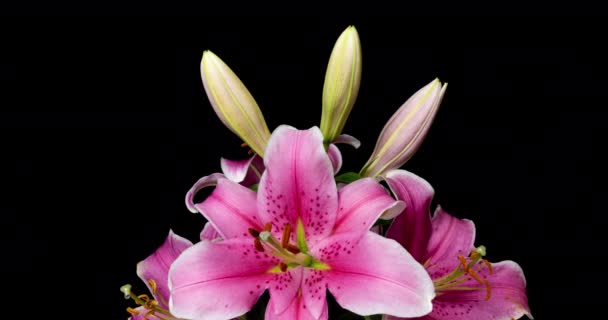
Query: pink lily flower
467, 286
153, 271
298, 236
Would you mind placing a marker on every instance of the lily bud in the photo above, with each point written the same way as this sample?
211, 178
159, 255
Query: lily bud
233, 103
405, 130
342, 81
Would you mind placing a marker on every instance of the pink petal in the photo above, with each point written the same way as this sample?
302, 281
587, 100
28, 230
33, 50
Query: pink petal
298, 182
374, 275
361, 203
156, 266
412, 228
296, 310
314, 293
235, 170
450, 237
209, 233
284, 287
347, 139
246, 172
218, 280
335, 156
507, 300
231, 209
206, 181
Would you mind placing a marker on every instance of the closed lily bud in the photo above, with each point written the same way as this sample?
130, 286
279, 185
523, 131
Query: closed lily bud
405, 130
342, 81
233, 103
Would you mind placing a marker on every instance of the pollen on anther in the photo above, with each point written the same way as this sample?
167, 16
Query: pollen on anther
258, 245
253, 232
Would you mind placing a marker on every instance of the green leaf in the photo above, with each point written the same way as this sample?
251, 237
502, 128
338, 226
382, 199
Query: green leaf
348, 177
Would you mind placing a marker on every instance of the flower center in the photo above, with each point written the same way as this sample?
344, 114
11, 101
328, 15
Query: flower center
290, 255
465, 271
151, 306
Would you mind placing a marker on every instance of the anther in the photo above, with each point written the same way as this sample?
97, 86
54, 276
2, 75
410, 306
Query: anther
244, 145
463, 261
143, 297
473, 254
293, 249
283, 266
488, 264
153, 286
150, 304
475, 276
254, 232
258, 245
286, 235
268, 227
488, 290
132, 311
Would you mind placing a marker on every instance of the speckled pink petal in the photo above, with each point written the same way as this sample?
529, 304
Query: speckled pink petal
361, 203
156, 266
283, 288
218, 280
314, 291
373, 275
412, 228
231, 209
298, 183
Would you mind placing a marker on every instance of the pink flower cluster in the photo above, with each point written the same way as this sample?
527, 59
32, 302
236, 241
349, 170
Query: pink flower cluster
284, 221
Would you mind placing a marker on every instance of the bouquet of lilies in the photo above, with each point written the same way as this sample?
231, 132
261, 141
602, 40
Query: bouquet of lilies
287, 222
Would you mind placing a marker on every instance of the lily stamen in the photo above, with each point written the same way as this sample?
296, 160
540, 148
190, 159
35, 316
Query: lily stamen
145, 301
290, 254
452, 280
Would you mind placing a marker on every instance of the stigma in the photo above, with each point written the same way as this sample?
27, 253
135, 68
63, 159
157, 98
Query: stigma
468, 268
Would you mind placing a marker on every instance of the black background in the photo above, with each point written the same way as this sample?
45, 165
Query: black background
105, 126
